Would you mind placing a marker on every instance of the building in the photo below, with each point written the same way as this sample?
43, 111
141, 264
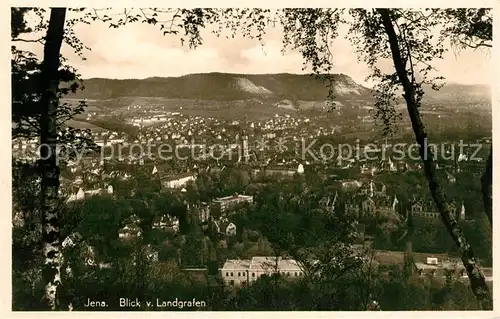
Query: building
236, 272
426, 210
131, 228
300, 169
82, 194
388, 165
224, 227
224, 204
461, 216
204, 212
352, 207
177, 181
276, 170
368, 207
231, 229
442, 268
348, 184
363, 206
245, 154
130, 232
166, 223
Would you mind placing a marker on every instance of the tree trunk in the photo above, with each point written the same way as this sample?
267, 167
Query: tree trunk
51, 241
487, 188
476, 276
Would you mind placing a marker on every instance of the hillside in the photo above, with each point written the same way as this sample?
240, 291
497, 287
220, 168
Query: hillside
283, 90
226, 87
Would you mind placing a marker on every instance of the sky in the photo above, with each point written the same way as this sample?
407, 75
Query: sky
140, 50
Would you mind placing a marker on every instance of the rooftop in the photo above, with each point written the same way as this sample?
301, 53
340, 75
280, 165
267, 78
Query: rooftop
232, 197
261, 263
177, 176
237, 264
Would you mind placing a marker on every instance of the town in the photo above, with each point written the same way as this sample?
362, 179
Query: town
206, 211
251, 159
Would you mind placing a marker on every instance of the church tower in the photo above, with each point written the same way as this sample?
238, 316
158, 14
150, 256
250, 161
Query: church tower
244, 149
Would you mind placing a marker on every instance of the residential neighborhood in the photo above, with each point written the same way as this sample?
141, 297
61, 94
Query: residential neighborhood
251, 159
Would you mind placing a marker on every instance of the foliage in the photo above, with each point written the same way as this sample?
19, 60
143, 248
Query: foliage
27, 90
466, 28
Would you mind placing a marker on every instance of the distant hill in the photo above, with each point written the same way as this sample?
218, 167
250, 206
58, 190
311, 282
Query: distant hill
281, 89
226, 87
453, 92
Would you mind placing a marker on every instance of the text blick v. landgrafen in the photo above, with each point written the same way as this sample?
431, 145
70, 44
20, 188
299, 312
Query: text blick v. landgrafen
136, 303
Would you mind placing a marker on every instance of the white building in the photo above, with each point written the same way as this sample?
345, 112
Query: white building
78, 196
228, 202
244, 148
300, 169
236, 272
462, 212
231, 229
116, 140
178, 182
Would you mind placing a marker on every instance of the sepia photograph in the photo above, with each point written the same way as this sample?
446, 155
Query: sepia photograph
251, 159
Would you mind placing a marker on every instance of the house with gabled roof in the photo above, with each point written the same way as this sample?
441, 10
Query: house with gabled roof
368, 207
231, 229
426, 209
352, 206
166, 223
131, 228
130, 232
